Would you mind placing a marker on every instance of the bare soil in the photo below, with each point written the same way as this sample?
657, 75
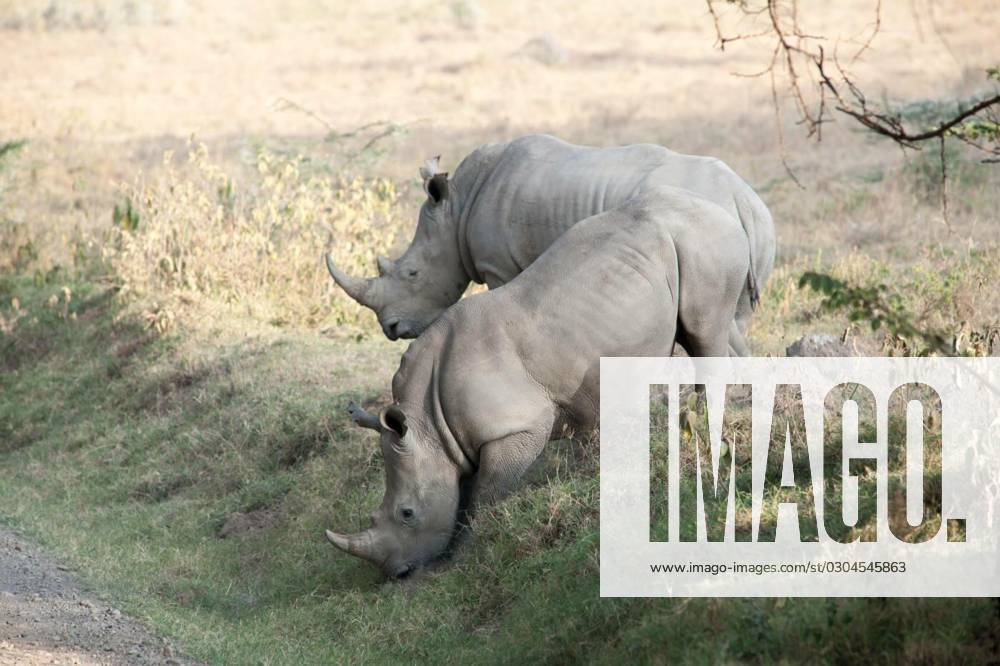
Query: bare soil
47, 617
242, 524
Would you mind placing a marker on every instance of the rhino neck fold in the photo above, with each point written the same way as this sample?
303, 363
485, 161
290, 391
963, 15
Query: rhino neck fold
459, 213
455, 452
463, 205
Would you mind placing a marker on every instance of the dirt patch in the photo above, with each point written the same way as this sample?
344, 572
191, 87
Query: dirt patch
19, 438
21, 349
243, 524
159, 394
47, 618
158, 488
128, 348
297, 446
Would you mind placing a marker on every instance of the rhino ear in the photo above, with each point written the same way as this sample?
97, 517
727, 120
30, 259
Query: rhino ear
437, 187
393, 418
429, 168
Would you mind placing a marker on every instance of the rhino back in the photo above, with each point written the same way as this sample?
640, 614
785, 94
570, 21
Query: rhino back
541, 186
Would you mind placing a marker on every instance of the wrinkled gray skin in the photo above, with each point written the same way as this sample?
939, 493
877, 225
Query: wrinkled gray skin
478, 395
507, 203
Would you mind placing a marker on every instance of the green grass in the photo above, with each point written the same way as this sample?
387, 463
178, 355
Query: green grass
125, 453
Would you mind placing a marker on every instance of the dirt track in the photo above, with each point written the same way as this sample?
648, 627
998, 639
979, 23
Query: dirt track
46, 617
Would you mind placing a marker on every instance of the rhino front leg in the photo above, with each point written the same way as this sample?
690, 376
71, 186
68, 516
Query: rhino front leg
502, 463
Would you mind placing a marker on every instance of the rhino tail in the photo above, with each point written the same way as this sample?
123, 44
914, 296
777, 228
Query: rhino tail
673, 283
752, 288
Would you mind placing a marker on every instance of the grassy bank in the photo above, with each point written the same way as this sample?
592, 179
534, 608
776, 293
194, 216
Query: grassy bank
173, 424
190, 475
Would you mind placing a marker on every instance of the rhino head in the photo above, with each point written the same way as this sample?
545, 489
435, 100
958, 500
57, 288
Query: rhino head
412, 291
418, 515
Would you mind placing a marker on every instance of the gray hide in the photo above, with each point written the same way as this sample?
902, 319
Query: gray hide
507, 203
479, 394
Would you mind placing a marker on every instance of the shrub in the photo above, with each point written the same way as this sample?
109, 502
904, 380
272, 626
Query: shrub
198, 234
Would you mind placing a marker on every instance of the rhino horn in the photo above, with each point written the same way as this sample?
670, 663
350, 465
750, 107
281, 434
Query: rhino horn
360, 545
356, 288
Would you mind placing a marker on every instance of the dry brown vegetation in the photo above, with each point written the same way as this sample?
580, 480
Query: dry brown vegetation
100, 104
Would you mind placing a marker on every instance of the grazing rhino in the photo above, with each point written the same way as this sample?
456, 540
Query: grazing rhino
500, 373
508, 202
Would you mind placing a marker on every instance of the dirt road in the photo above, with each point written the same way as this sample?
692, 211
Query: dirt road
46, 617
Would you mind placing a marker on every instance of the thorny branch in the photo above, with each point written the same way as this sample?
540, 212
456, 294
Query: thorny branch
381, 129
818, 84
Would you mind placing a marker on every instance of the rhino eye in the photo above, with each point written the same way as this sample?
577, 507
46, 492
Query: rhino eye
406, 513
412, 273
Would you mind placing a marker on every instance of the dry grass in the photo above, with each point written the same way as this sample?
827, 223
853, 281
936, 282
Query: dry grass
98, 108
229, 237
194, 233
951, 292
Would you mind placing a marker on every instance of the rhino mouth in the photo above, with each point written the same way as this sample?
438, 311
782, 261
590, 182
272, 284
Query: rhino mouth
399, 329
404, 572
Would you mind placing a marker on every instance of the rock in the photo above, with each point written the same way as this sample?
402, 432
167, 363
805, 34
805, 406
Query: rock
816, 344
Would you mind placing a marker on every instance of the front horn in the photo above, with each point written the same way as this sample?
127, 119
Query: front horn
360, 545
356, 288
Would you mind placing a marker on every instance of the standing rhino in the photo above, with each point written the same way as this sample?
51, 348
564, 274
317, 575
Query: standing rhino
507, 203
499, 374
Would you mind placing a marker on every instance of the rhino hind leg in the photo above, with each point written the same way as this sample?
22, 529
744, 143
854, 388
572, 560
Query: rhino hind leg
737, 341
745, 307
737, 345
710, 343
710, 318
709, 328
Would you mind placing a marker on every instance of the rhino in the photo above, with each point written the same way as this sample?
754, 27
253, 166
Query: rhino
508, 202
488, 383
